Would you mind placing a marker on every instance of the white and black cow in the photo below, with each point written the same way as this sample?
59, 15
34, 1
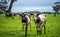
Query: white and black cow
26, 19
40, 21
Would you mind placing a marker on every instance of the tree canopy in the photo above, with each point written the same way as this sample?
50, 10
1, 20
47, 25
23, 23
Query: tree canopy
4, 6
56, 7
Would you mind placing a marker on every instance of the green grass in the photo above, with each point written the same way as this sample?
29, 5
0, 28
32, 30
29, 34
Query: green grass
13, 27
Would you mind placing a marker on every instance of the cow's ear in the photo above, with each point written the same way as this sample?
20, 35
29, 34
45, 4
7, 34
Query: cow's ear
37, 14
31, 14
24, 14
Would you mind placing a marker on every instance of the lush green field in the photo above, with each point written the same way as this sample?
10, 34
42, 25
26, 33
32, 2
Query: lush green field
13, 27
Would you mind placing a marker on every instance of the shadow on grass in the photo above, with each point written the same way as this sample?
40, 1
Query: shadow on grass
12, 33
17, 33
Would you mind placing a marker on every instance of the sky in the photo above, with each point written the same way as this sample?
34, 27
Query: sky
34, 5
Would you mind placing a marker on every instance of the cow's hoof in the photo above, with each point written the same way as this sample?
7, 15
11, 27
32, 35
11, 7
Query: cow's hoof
40, 32
44, 32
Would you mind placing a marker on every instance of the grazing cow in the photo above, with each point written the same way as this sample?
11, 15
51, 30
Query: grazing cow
26, 18
10, 15
40, 21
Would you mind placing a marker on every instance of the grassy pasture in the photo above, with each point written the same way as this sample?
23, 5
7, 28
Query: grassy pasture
13, 27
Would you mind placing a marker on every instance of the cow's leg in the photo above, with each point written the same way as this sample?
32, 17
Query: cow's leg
37, 32
37, 29
22, 26
44, 27
40, 31
30, 26
26, 29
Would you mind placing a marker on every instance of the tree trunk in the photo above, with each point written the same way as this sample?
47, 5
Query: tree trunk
8, 12
10, 7
55, 13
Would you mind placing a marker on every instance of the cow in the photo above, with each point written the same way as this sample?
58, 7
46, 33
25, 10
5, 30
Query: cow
26, 19
40, 21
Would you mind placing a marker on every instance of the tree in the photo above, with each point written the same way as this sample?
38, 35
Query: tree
3, 6
8, 12
56, 8
10, 7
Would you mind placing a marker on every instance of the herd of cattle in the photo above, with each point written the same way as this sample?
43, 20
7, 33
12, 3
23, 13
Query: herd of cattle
39, 19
